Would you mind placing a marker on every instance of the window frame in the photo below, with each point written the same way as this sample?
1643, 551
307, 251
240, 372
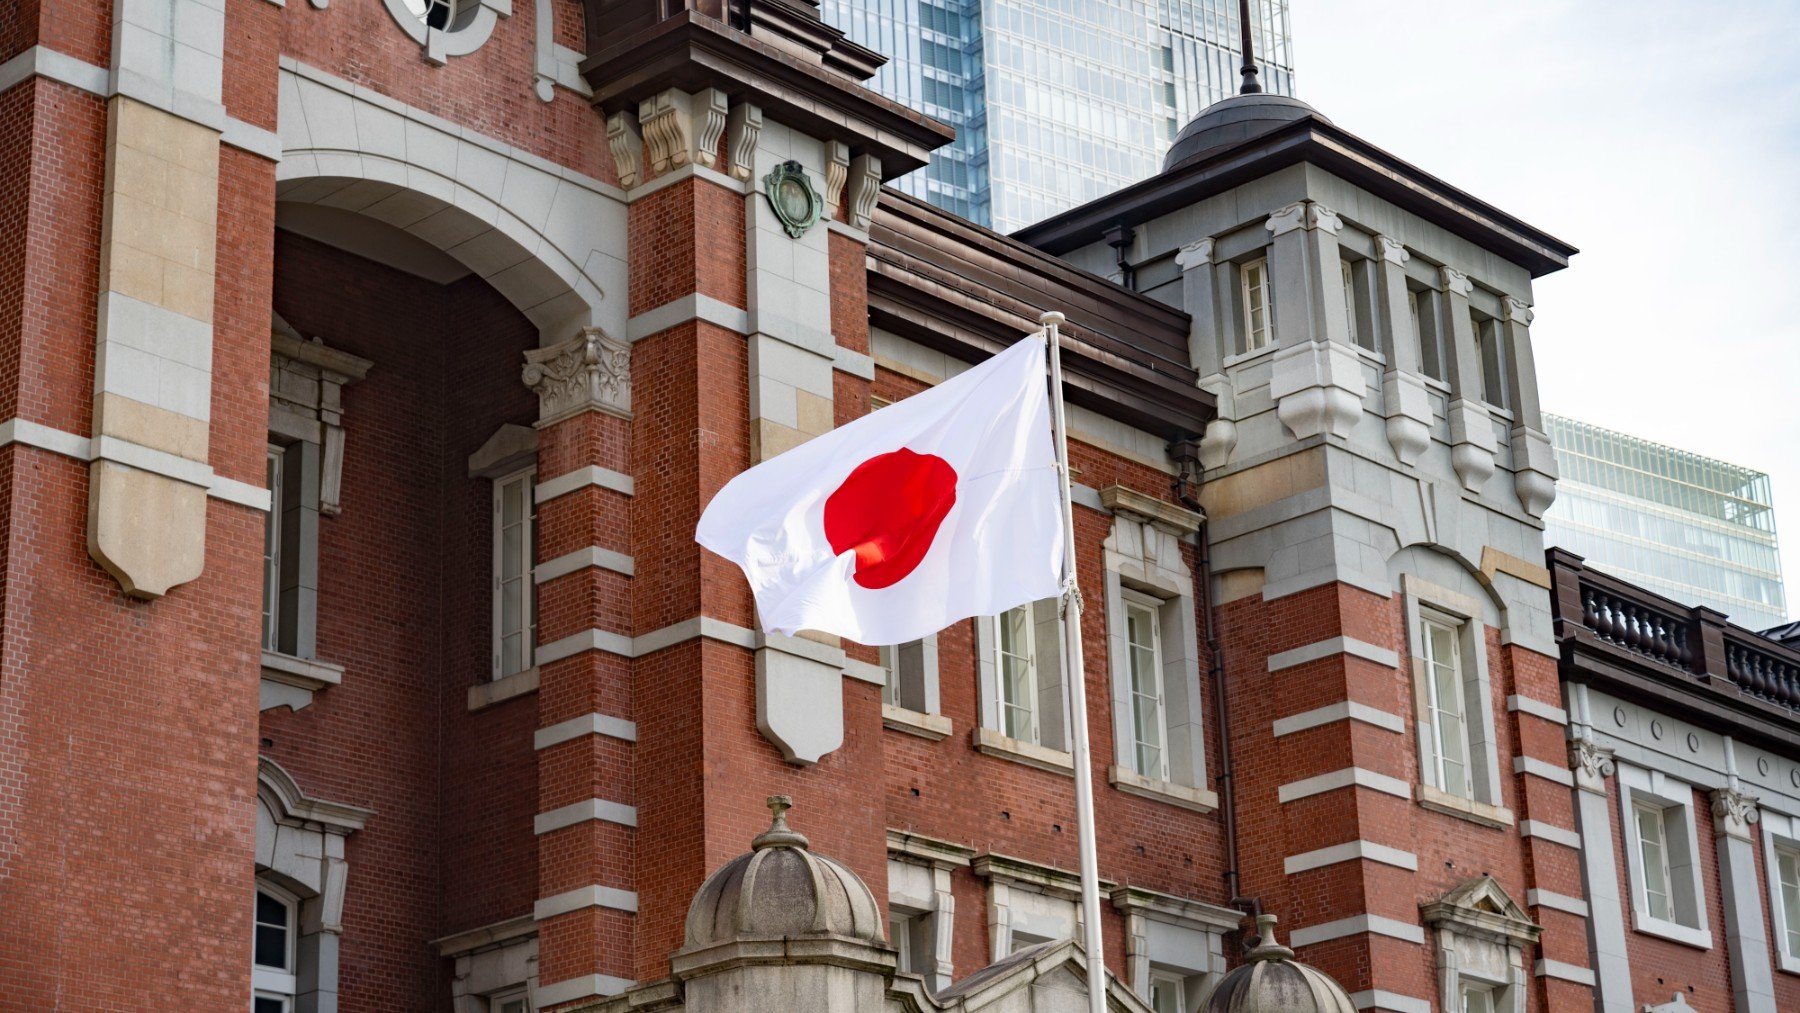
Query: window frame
1431, 619
276, 477
496, 1003
1265, 302
1781, 834
1643, 789
267, 981
1424, 305
526, 479
1032, 687
1485, 801
1177, 985
1137, 601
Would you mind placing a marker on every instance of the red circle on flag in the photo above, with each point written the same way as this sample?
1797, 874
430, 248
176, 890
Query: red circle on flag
888, 510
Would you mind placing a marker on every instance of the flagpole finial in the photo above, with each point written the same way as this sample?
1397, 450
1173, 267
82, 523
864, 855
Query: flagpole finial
1250, 85
1052, 319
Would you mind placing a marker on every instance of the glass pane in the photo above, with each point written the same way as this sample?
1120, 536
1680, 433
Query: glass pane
268, 1004
271, 946
512, 654
512, 502
270, 910
1651, 854
1165, 995
1790, 899
512, 606
889, 686
512, 552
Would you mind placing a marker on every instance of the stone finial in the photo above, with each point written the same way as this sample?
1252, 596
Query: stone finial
1267, 946
1733, 812
1592, 765
779, 834
590, 371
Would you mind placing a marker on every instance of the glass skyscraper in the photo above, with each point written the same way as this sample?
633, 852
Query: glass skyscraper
1692, 528
1056, 102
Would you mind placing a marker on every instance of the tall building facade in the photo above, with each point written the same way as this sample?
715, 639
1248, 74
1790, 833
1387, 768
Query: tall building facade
1686, 526
1056, 102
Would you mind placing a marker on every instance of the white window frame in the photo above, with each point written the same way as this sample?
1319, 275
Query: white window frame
1437, 708
1484, 802
1143, 604
1002, 704
1781, 835
281, 983
1640, 788
272, 561
1490, 997
525, 477
910, 676
1176, 984
1253, 298
496, 1003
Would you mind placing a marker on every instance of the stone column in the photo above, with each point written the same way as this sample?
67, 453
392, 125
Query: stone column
1472, 443
1404, 398
1534, 462
1752, 980
1317, 381
1207, 337
587, 816
1592, 765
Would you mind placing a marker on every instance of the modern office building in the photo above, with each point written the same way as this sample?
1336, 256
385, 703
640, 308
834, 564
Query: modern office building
1056, 102
1686, 526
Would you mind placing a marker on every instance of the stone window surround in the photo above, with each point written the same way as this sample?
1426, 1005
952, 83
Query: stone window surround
1639, 784
987, 738
1008, 876
1486, 808
512, 449
1175, 937
300, 849
1779, 832
939, 860
1481, 934
1136, 518
495, 961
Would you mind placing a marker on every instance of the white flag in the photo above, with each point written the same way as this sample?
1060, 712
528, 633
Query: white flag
940, 507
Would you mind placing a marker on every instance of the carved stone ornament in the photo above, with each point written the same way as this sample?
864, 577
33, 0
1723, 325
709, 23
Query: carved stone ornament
1733, 812
1198, 253
589, 372
792, 197
1592, 765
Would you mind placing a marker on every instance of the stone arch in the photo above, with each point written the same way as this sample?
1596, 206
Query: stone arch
548, 239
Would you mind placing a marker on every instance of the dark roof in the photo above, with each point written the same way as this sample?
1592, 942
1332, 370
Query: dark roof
1233, 121
950, 284
1312, 139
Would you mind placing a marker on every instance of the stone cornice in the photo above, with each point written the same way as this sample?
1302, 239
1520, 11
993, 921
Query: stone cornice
1121, 500
930, 849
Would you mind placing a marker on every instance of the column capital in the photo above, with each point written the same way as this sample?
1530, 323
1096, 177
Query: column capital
589, 372
1198, 253
1518, 311
1455, 282
1733, 813
1391, 250
1592, 765
1304, 214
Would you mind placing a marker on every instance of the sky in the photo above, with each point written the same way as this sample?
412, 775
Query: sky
1662, 139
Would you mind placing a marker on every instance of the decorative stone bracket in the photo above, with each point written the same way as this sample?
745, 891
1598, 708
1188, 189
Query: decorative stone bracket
853, 183
1472, 443
589, 372
799, 696
1318, 388
1408, 414
1534, 470
306, 384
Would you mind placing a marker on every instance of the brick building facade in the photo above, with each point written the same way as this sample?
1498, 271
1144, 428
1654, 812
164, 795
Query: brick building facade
365, 367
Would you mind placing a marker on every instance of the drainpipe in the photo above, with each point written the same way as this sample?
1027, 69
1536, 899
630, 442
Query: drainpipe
1186, 489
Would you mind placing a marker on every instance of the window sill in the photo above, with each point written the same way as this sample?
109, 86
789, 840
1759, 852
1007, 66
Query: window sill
483, 695
1786, 964
1672, 931
1132, 783
992, 743
1242, 357
935, 727
1441, 801
305, 673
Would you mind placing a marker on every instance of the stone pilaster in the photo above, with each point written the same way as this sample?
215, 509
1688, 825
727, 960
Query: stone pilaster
1317, 380
1592, 765
1206, 347
1405, 401
1752, 979
1472, 442
1534, 461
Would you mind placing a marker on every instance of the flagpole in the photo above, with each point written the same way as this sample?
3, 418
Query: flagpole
1078, 716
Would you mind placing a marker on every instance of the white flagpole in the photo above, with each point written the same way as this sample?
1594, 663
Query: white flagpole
1078, 721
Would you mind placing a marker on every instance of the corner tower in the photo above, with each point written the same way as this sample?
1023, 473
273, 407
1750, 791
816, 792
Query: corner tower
1374, 487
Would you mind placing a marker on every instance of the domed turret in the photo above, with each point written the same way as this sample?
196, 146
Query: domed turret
782, 890
1272, 981
1233, 120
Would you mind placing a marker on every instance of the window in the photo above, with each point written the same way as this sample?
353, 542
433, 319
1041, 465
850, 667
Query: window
273, 976
1444, 700
1787, 866
1478, 999
514, 590
1143, 638
1490, 342
908, 667
1167, 993
1422, 305
1015, 664
513, 1001
911, 932
1258, 300
1663, 855
1357, 302
1781, 841
272, 555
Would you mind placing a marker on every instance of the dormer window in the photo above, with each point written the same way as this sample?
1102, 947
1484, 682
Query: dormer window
1259, 304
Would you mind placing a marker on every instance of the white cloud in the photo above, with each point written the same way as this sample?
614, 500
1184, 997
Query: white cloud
1660, 137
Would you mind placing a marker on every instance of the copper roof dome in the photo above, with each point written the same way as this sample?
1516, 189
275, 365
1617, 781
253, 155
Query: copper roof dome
1233, 120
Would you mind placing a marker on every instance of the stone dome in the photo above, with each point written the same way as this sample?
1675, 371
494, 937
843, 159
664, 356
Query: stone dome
1272, 981
780, 890
1232, 120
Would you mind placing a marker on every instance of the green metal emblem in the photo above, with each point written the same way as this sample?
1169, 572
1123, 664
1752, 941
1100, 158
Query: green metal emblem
793, 198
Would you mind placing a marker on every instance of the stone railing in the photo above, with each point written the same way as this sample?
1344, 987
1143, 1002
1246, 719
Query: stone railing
1695, 644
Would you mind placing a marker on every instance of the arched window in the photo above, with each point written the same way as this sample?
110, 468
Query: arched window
274, 967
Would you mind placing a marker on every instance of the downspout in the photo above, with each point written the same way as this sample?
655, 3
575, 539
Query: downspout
1186, 489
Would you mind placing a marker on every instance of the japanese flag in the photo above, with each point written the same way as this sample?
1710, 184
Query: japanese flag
940, 507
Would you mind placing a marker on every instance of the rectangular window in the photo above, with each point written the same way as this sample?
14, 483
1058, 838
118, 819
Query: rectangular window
514, 629
905, 666
1448, 722
1653, 859
911, 934
510, 1002
1356, 303
1258, 302
1489, 339
1422, 305
1478, 999
1015, 665
1168, 993
1787, 874
1143, 644
272, 554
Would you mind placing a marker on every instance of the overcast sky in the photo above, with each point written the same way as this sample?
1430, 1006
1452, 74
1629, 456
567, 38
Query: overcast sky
1662, 138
